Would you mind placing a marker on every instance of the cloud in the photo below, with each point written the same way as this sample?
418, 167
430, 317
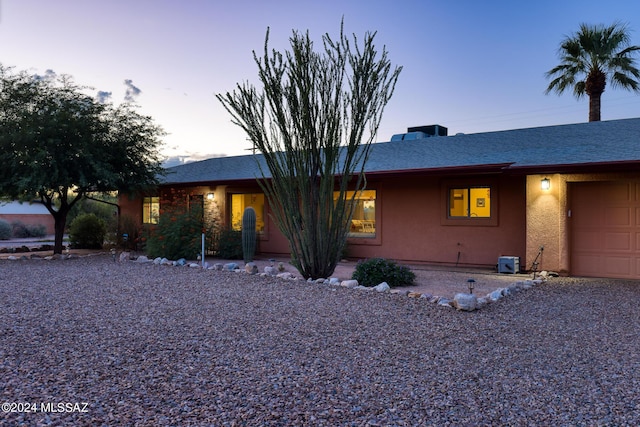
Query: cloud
132, 91
47, 76
103, 96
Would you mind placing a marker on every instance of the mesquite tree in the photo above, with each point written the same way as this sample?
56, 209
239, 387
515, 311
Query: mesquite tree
313, 121
58, 144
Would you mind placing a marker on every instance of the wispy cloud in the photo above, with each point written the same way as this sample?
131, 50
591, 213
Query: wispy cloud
103, 96
47, 76
132, 91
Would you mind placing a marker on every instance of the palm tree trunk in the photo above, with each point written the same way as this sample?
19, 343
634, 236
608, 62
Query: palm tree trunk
594, 107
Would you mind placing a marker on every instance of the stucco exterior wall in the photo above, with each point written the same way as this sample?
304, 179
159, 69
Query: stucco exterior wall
413, 224
548, 221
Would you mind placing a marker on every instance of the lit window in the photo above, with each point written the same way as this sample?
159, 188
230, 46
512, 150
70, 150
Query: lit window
150, 210
241, 201
470, 202
363, 221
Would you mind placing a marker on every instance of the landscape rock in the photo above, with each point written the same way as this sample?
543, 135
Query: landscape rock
270, 271
495, 295
382, 287
230, 266
349, 283
251, 268
465, 302
142, 259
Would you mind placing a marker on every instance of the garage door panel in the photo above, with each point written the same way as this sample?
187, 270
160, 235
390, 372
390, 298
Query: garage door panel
618, 217
587, 265
618, 192
605, 229
586, 239
618, 266
617, 241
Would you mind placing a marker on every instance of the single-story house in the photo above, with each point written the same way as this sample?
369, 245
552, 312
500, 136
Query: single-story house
562, 198
34, 213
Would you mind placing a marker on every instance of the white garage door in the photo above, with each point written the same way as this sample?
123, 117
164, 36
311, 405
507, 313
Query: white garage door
605, 229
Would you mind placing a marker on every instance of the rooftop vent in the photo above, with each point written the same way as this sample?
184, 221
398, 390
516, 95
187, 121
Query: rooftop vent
420, 132
432, 130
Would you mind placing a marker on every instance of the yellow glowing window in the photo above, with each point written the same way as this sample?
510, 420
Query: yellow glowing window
239, 202
470, 202
150, 210
363, 221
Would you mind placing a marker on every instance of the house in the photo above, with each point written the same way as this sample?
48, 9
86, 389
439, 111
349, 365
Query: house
563, 198
34, 213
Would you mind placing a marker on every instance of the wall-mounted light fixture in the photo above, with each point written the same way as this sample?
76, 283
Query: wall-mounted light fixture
545, 184
210, 196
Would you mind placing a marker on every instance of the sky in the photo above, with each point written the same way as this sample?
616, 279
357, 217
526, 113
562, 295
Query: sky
471, 66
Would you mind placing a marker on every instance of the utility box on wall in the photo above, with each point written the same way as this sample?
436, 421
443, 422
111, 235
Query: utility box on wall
509, 264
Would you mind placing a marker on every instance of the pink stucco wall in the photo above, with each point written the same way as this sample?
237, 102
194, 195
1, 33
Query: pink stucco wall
32, 219
411, 223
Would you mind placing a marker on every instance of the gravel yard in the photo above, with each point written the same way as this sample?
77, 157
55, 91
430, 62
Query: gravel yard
154, 345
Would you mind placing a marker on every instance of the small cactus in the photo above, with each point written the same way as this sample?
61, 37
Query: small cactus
249, 239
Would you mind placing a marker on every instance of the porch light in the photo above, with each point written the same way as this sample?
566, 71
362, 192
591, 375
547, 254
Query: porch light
545, 184
210, 196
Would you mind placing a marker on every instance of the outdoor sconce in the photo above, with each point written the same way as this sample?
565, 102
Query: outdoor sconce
545, 184
210, 196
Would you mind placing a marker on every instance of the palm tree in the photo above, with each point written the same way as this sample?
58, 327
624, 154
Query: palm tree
592, 56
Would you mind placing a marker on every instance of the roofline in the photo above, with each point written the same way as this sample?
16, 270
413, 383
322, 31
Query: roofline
620, 166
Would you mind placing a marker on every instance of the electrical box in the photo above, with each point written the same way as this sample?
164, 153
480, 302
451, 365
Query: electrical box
509, 264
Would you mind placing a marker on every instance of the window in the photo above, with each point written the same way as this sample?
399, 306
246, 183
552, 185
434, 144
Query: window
470, 202
150, 210
241, 201
363, 221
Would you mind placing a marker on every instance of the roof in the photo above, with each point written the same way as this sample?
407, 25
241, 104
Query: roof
22, 208
542, 149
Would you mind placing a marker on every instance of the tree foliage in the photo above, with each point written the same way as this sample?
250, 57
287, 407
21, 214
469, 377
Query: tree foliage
57, 144
592, 56
313, 121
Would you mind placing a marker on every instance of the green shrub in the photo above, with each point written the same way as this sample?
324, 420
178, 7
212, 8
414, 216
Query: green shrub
21, 230
87, 231
5, 230
374, 271
178, 233
228, 244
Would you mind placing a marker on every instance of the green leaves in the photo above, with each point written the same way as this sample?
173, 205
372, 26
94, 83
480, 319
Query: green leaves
592, 56
313, 120
56, 139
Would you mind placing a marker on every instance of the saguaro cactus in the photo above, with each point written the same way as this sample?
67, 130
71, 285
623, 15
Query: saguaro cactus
249, 239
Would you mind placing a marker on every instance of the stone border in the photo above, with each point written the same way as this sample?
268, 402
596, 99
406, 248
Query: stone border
461, 301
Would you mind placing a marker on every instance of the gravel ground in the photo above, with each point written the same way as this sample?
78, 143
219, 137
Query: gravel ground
152, 345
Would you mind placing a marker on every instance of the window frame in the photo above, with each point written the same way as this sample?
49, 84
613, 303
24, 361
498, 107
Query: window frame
149, 205
469, 184
262, 234
376, 221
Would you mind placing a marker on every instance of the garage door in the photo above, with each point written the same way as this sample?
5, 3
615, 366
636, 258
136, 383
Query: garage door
605, 229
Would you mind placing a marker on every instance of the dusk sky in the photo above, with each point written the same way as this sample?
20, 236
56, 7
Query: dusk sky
472, 66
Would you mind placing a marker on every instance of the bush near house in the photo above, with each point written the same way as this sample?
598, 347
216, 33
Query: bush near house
5, 230
374, 271
21, 230
87, 231
228, 244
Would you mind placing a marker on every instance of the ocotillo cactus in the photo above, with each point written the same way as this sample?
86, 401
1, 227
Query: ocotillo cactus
249, 234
